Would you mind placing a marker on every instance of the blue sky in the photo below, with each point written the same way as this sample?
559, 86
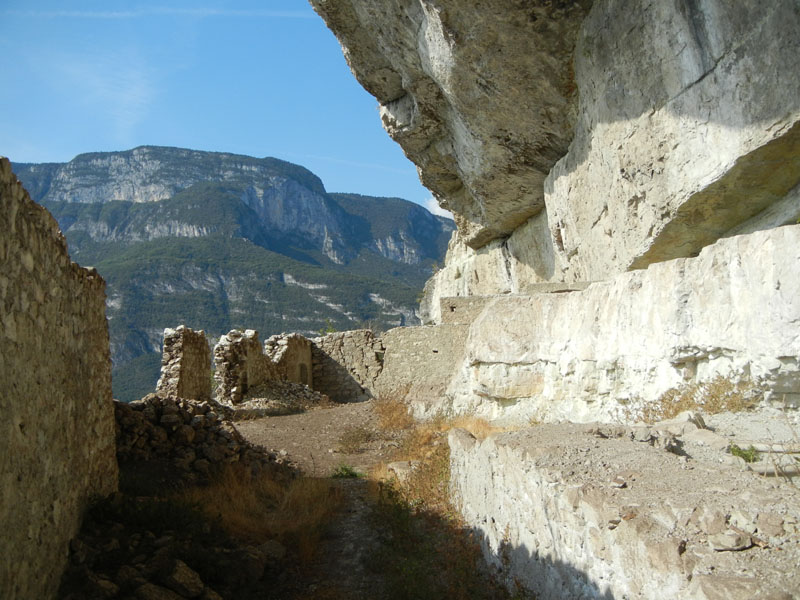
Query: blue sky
258, 78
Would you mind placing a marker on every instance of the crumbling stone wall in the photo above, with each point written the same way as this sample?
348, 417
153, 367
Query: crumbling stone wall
346, 364
57, 431
290, 355
240, 364
198, 438
185, 365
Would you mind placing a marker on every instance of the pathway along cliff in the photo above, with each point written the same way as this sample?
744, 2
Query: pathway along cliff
388, 539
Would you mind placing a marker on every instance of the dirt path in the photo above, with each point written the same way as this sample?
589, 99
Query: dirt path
312, 441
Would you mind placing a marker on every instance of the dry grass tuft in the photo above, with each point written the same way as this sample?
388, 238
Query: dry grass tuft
257, 509
716, 396
353, 439
393, 414
425, 444
429, 553
480, 428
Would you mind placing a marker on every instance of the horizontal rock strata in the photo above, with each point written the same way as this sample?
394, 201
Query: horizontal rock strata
593, 354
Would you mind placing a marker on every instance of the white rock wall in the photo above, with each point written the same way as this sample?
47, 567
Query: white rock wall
734, 311
676, 145
677, 142
566, 513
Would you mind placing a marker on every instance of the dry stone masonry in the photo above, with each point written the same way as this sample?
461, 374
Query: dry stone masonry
346, 364
291, 355
196, 438
57, 439
185, 365
240, 364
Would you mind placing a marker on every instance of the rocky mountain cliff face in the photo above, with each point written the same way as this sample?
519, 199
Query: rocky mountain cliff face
220, 241
625, 179
284, 199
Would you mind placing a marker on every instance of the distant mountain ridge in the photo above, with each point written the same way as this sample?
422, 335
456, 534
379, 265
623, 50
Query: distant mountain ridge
218, 240
285, 197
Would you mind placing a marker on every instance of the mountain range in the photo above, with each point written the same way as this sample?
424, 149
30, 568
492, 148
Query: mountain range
220, 241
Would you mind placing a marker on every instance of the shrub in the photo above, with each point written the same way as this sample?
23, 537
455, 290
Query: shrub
344, 471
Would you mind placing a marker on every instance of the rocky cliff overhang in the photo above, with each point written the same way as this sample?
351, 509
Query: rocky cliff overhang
577, 140
482, 98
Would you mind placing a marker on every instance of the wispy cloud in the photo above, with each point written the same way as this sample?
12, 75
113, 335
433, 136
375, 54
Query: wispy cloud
433, 206
351, 163
161, 11
118, 87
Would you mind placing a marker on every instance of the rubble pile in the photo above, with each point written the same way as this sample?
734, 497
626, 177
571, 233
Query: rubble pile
197, 438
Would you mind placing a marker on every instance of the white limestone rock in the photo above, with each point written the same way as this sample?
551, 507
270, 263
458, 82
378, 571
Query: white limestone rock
593, 354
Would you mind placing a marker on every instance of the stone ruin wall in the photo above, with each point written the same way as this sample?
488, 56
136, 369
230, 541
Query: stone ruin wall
291, 355
418, 364
240, 364
57, 441
185, 365
406, 363
346, 364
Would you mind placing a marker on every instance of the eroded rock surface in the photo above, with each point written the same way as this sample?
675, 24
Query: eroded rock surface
592, 354
483, 101
585, 512
577, 140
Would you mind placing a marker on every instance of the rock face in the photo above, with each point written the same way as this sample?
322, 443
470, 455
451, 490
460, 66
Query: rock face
261, 198
57, 440
645, 156
587, 355
614, 137
185, 365
569, 511
441, 74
